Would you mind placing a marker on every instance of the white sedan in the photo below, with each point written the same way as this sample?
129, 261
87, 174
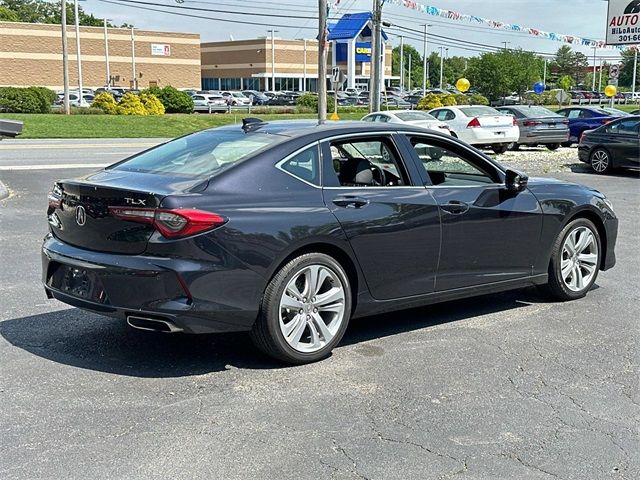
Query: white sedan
480, 125
411, 117
209, 103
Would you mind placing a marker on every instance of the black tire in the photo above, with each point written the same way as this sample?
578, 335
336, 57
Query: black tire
514, 147
566, 144
500, 149
266, 333
600, 161
553, 146
556, 287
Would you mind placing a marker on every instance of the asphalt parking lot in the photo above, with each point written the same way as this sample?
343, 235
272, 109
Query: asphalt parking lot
496, 387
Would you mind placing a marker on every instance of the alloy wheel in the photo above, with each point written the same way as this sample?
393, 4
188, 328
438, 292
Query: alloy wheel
600, 161
580, 259
312, 308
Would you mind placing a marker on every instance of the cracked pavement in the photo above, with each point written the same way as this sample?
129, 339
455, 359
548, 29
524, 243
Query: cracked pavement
495, 387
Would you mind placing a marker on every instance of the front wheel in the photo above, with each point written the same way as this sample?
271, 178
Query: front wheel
305, 310
566, 144
575, 260
600, 161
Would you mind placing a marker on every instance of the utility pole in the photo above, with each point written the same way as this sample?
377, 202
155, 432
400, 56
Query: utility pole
134, 82
635, 71
402, 62
273, 59
376, 54
441, 65
106, 53
409, 79
544, 74
593, 86
304, 69
600, 77
322, 61
79, 60
424, 59
65, 58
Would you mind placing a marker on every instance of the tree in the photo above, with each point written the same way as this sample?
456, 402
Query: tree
416, 65
568, 62
626, 71
500, 73
40, 11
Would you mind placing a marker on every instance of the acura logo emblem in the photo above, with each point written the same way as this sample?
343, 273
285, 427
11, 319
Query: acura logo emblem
81, 215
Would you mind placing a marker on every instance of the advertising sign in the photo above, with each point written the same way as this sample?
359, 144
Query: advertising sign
363, 51
161, 49
623, 22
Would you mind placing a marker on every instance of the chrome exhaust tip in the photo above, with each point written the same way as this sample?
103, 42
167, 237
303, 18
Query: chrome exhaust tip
152, 324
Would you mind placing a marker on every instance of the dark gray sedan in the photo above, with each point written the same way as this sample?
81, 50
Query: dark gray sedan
538, 126
613, 145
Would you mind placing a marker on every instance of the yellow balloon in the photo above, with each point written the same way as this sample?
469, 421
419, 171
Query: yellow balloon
610, 90
463, 84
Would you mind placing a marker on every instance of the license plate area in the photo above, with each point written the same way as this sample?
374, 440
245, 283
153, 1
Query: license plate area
76, 281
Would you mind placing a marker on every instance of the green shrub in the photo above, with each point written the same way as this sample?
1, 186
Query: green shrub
448, 100
152, 104
477, 99
429, 101
105, 102
47, 97
85, 111
308, 100
130, 104
22, 100
173, 100
461, 99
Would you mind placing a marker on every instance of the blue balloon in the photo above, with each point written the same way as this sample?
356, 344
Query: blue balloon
538, 88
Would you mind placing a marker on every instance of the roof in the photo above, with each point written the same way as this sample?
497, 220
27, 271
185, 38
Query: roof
351, 25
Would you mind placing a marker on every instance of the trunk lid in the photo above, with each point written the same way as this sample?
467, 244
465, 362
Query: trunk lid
79, 214
495, 121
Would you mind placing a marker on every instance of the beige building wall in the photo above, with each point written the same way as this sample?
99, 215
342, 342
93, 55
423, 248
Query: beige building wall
31, 54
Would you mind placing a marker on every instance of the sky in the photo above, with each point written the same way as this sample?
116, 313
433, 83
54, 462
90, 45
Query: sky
583, 18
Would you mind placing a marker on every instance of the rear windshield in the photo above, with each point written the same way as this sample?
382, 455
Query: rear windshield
413, 116
536, 111
480, 111
202, 154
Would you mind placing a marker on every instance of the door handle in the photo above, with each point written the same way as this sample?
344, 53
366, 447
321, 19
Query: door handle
350, 202
455, 207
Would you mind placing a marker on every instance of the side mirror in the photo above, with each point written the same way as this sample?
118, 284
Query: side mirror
515, 181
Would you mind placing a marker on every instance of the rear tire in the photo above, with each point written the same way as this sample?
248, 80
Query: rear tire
514, 147
305, 310
575, 261
553, 146
500, 149
566, 144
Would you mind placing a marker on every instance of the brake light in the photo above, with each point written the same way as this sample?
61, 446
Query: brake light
475, 123
566, 122
531, 123
606, 120
171, 223
514, 121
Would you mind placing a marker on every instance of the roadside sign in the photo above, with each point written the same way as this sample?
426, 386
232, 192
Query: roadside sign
623, 22
614, 72
562, 96
161, 49
335, 75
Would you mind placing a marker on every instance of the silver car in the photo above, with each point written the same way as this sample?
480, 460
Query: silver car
209, 103
538, 126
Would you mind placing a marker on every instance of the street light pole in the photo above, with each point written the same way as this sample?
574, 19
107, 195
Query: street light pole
304, 71
401, 63
593, 86
376, 55
65, 58
635, 71
441, 65
322, 61
79, 60
424, 59
106, 53
134, 82
544, 74
409, 79
273, 59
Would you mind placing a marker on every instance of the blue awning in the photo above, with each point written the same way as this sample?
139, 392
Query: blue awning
350, 26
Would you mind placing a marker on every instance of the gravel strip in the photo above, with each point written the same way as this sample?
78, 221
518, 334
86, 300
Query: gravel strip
541, 161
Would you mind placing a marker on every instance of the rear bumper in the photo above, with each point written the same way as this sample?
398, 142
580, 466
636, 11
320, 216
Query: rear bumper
543, 136
492, 136
197, 297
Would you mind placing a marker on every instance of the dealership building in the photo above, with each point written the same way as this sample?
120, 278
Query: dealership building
271, 63
31, 54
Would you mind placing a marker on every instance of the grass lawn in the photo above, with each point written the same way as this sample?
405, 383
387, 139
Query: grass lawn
116, 126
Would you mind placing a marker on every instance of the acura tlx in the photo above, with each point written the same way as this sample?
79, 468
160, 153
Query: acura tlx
288, 230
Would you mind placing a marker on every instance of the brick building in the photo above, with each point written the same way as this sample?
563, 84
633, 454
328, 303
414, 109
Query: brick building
31, 54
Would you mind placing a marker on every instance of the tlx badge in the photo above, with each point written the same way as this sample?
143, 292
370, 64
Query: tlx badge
135, 201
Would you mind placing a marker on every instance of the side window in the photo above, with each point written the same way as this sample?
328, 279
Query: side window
446, 167
367, 162
383, 118
449, 115
624, 127
574, 114
304, 165
439, 114
369, 118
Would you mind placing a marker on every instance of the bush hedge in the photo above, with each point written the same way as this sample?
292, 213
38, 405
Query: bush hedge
105, 102
435, 100
173, 100
26, 100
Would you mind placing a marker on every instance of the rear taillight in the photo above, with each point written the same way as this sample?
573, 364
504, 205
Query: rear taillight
514, 121
475, 123
606, 120
531, 123
171, 223
566, 122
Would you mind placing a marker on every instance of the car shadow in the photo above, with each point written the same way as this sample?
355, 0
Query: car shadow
80, 339
618, 172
